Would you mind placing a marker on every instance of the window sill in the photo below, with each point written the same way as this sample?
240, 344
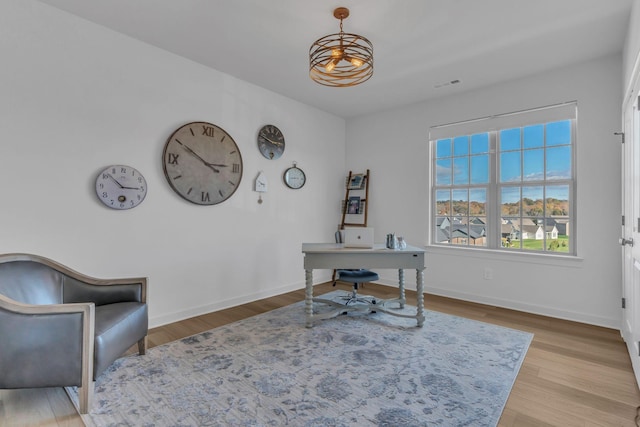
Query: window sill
525, 257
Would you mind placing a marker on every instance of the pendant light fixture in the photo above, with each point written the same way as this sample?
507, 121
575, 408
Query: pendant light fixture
342, 59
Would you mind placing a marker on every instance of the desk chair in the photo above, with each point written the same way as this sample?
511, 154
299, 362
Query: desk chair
356, 277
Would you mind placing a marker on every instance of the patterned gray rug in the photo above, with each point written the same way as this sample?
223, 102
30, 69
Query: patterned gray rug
352, 370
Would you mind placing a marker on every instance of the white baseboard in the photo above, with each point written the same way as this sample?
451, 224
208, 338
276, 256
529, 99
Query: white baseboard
322, 278
517, 305
177, 316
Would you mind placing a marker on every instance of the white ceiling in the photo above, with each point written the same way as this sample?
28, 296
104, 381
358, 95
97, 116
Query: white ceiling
418, 44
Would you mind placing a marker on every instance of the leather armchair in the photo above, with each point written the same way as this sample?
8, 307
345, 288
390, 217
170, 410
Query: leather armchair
61, 328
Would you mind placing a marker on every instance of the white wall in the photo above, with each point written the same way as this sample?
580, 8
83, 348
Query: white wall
77, 97
632, 44
394, 146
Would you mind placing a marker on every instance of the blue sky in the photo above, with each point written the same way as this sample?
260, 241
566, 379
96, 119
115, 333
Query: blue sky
527, 154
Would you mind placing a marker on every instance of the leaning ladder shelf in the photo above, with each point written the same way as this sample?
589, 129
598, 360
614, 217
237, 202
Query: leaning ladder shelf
364, 186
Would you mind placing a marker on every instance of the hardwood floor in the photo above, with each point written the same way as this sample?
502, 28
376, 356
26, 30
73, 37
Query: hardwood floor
573, 375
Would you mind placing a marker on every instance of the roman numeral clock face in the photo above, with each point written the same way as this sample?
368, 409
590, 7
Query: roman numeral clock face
202, 163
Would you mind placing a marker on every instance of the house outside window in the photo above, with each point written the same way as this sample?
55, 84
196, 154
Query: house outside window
506, 182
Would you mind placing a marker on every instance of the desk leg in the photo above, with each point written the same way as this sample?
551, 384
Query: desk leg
308, 298
401, 286
420, 296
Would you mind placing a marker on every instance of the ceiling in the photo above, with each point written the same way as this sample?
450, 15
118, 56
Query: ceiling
420, 46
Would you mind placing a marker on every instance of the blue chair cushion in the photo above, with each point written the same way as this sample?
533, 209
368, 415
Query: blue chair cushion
357, 276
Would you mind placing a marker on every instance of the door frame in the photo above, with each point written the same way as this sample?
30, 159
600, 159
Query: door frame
630, 224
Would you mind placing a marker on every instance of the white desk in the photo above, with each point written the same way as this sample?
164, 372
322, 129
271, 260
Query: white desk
335, 256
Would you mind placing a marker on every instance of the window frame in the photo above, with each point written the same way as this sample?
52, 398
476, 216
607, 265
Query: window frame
493, 206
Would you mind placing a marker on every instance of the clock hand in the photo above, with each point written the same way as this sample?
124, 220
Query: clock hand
272, 141
116, 181
122, 186
200, 158
216, 164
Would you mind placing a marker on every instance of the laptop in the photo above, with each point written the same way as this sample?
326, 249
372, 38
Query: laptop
358, 237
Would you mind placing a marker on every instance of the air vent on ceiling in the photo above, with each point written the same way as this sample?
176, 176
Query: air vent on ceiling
449, 83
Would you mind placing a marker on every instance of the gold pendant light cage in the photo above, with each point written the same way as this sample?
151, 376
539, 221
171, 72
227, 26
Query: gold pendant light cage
342, 59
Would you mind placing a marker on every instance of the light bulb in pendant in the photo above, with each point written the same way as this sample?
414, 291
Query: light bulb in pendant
356, 62
331, 65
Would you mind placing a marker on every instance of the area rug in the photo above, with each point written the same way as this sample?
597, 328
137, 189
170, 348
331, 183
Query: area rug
352, 370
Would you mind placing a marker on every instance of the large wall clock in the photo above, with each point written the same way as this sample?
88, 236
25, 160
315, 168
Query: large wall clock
202, 163
121, 187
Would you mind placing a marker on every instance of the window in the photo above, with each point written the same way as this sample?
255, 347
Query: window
506, 182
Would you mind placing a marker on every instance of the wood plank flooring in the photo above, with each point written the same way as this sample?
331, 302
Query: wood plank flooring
573, 375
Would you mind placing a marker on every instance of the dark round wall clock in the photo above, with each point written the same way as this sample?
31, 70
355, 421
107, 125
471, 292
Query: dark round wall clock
271, 142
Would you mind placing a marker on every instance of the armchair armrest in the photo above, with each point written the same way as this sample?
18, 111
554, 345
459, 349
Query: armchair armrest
47, 345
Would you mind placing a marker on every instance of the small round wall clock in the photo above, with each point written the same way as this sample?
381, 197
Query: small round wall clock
294, 177
271, 142
202, 163
121, 187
